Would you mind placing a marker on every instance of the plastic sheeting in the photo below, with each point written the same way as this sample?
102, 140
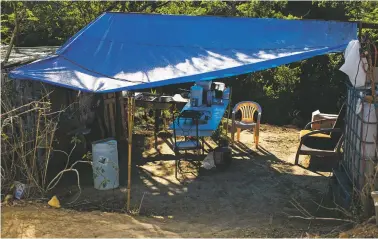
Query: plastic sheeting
354, 64
134, 51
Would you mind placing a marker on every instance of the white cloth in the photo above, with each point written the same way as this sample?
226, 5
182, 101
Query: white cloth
353, 64
179, 98
208, 162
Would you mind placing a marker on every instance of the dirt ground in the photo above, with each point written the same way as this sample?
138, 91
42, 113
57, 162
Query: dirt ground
365, 230
252, 198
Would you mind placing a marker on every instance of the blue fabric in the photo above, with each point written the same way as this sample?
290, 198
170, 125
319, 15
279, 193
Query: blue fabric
134, 51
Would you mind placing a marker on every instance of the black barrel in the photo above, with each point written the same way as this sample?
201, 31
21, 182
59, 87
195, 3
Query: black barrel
222, 157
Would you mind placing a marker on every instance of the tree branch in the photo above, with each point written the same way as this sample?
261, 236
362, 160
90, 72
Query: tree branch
111, 7
153, 5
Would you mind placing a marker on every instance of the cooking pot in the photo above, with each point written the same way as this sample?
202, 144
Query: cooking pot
165, 99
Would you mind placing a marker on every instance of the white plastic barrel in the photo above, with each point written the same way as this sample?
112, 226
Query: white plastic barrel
105, 164
369, 130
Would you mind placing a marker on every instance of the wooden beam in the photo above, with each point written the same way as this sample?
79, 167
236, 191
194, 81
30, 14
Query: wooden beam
368, 25
130, 113
360, 31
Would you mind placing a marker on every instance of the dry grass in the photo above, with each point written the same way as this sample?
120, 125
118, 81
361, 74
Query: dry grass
27, 135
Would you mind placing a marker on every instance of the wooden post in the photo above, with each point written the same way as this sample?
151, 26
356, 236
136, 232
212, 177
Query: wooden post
130, 111
229, 108
112, 108
360, 31
122, 116
157, 116
109, 114
106, 115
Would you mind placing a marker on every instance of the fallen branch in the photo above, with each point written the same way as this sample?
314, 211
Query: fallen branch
299, 210
322, 218
303, 211
85, 202
337, 209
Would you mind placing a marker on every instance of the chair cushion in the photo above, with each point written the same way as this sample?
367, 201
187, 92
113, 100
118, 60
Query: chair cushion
319, 143
244, 125
320, 135
318, 152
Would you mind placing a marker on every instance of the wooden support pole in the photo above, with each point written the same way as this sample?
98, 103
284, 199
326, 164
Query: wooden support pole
229, 109
123, 117
130, 119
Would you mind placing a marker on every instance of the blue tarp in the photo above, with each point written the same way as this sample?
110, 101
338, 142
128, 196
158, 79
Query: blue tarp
120, 51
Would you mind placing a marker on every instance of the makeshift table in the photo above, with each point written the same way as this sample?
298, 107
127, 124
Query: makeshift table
215, 113
204, 129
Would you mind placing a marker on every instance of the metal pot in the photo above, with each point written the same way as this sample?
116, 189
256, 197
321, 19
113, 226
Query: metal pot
165, 99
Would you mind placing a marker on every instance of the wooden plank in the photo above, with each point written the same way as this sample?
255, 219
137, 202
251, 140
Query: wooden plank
368, 25
112, 119
123, 116
110, 96
109, 101
109, 113
112, 113
102, 130
106, 115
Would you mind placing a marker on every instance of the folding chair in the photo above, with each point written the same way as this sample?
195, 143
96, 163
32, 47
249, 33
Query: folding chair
186, 123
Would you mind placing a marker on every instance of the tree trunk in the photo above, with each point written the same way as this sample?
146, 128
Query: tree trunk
11, 43
123, 8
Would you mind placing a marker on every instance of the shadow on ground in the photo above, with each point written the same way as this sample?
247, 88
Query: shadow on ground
253, 197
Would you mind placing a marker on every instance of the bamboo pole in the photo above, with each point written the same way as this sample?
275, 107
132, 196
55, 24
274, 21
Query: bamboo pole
130, 118
228, 111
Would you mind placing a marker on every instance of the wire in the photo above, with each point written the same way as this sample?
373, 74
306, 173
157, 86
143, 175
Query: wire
370, 73
358, 69
327, 187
